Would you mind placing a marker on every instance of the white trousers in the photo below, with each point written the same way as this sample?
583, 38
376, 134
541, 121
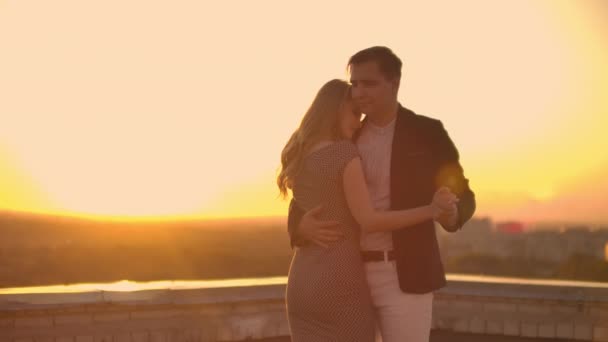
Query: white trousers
401, 317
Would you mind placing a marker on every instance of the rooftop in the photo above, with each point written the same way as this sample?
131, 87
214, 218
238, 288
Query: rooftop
470, 308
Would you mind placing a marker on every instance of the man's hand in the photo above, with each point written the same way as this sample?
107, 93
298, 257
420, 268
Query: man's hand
319, 232
446, 209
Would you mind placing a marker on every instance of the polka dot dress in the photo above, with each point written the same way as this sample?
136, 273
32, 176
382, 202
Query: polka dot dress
327, 294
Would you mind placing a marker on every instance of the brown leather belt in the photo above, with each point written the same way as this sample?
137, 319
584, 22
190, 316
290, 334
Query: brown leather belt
368, 256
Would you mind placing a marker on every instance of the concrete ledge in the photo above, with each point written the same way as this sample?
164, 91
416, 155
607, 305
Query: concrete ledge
234, 310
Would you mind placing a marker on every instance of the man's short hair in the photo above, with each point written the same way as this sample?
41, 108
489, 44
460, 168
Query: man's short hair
388, 62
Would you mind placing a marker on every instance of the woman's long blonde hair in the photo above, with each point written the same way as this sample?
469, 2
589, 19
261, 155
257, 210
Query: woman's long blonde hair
320, 122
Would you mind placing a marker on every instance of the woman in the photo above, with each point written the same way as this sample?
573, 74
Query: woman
327, 294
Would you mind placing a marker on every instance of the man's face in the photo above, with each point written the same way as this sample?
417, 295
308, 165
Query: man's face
372, 91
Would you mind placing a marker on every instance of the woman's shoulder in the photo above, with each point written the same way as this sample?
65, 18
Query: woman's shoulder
344, 144
335, 147
330, 159
346, 147
344, 152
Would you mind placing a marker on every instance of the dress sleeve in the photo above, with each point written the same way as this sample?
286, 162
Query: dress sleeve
347, 151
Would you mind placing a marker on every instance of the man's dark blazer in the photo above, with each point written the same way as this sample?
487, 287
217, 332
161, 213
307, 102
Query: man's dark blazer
423, 159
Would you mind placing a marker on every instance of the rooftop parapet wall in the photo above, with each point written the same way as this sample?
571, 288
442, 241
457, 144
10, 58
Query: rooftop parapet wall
236, 310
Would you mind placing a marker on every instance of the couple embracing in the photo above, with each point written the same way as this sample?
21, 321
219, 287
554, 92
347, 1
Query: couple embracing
366, 195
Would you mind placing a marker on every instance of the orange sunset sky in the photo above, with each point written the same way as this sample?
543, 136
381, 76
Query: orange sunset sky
131, 109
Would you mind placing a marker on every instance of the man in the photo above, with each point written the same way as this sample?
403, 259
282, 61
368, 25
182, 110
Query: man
406, 158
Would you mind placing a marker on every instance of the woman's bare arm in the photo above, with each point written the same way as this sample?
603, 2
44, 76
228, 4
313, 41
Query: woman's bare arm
370, 220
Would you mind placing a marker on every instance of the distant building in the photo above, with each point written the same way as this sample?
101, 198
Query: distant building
515, 239
511, 227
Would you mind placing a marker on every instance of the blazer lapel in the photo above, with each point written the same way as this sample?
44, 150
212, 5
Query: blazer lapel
404, 144
405, 136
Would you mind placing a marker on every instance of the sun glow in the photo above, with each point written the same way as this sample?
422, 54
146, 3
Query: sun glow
180, 110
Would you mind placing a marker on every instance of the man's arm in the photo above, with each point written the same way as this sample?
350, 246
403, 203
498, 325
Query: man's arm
293, 221
451, 174
304, 228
